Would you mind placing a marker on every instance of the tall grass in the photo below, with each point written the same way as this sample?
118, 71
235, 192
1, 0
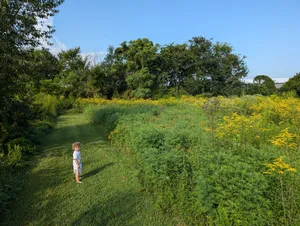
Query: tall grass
212, 171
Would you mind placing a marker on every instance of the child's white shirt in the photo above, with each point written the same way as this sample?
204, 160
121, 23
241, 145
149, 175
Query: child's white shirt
77, 156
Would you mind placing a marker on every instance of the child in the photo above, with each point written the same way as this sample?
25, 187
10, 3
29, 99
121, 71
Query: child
77, 165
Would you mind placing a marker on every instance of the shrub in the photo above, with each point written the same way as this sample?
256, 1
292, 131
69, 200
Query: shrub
160, 145
240, 130
106, 116
9, 186
47, 104
64, 104
204, 182
26, 146
230, 190
14, 155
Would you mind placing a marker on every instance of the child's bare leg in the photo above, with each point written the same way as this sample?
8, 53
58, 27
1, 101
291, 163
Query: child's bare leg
77, 177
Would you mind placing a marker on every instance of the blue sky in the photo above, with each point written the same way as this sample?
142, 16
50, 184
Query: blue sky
266, 32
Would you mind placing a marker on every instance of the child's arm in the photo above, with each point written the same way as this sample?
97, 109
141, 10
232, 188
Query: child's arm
76, 161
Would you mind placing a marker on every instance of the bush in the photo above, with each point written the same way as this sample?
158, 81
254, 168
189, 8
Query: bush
9, 186
106, 116
47, 104
65, 104
204, 182
109, 115
160, 143
231, 190
42, 127
14, 155
26, 146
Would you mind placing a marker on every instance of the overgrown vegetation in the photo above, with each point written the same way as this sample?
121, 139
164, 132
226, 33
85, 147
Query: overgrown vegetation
24, 113
109, 194
212, 161
37, 86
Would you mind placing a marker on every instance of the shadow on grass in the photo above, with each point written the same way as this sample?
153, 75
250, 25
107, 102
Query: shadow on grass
32, 196
51, 172
59, 140
118, 210
96, 171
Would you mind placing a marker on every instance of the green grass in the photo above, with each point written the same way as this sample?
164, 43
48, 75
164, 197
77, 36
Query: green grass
109, 194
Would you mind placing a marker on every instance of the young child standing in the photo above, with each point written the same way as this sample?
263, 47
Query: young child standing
77, 165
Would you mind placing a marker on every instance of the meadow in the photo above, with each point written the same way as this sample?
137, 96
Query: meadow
211, 161
173, 161
187, 142
109, 194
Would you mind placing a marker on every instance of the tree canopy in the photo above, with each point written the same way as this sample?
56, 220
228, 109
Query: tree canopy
293, 84
140, 68
20, 32
263, 84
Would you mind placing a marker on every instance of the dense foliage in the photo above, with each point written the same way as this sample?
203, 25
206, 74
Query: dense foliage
293, 84
215, 161
36, 86
19, 75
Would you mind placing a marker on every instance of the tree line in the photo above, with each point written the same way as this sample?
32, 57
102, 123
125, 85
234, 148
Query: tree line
143, 69
134, 69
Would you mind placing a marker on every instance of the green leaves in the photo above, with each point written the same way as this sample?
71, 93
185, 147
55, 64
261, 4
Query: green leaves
226, 183
263, 84
293, 84
18, 29
140, 83
139, 68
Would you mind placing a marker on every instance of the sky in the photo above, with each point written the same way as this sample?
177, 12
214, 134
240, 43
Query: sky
267, 32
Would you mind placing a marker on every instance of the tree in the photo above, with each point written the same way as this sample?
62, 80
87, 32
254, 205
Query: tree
112, 82
19, 32
263, 84
217, 67
73, 74
127, 68
41, 65
292, 84
96, 81
175, 67
140, 82
44, 65
137, 54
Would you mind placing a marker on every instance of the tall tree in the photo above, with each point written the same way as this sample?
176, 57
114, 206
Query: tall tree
73, 76
138, 57
176, 66
264, 85
112, 82
140, 83
203, 65
217, 67
18, 33
41, 66
293, 84
137, 54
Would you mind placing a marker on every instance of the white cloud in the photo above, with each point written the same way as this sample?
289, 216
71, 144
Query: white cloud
280, 80
94, 57
276, 80
57, 46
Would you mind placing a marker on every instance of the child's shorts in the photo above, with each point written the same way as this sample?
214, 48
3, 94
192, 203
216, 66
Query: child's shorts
78, 171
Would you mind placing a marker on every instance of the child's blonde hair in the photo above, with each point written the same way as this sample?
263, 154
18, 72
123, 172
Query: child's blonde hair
76, 144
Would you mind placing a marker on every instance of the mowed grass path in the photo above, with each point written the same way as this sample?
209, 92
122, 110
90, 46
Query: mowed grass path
109, 194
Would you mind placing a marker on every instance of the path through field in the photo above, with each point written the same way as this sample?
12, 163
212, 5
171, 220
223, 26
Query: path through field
109, 194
